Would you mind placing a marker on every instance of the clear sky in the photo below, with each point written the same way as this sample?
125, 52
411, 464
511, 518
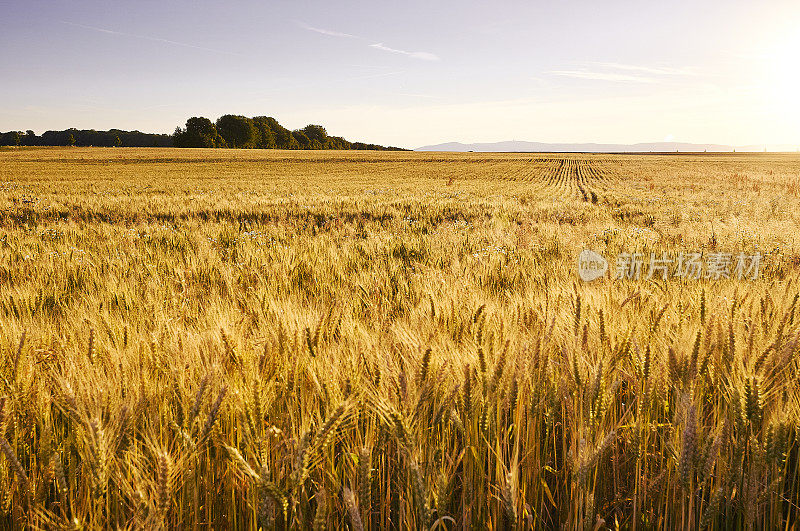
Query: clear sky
411, 73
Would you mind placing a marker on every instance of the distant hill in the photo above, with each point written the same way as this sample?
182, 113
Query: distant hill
658, 147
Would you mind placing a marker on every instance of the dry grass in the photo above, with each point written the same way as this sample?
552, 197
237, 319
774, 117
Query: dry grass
393, 340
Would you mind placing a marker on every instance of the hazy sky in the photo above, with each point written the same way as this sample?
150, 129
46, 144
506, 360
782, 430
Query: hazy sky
411, 73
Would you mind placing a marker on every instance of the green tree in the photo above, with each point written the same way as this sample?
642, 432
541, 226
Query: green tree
238, 131
71, 140
337, 142
199, 132
283, 137
117, 141
302, 140
317, 136
262, 132
266, 135
288, 141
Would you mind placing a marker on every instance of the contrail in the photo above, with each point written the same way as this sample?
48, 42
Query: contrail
147, 38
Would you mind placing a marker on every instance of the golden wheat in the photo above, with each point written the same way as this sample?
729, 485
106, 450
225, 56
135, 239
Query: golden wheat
265, 339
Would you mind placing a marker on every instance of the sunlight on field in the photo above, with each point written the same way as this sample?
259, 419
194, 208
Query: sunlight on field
394, 340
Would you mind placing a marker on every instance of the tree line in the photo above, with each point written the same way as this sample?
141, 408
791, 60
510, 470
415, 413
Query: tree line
229, 131
86, 137
260, 132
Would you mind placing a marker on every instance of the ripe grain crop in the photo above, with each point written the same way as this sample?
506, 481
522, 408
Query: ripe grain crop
266, 339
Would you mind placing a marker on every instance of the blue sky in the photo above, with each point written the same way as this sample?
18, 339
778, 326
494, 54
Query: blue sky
411, 73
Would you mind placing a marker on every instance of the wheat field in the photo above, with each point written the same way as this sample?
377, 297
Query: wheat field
248, 339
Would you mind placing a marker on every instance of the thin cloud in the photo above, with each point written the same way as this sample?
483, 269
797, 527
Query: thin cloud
425, 56
624, 73
382, 74
602, 76
659, 70
148, 38
330, 33
411, 95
